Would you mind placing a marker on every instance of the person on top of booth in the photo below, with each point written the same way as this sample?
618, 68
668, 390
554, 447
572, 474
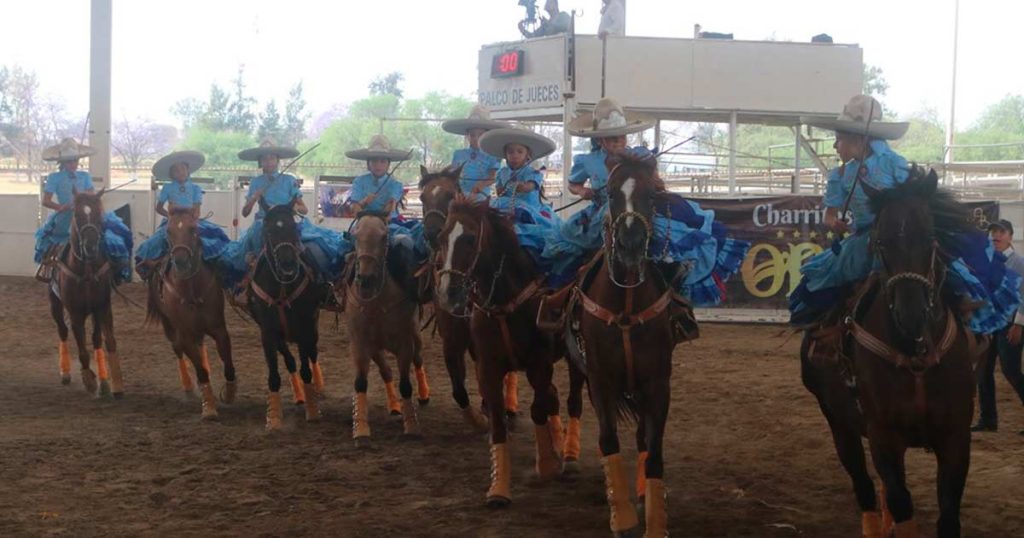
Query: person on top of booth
558, 22
520, 186
478, 166
322, 247
55, 233
861, 142
177, 193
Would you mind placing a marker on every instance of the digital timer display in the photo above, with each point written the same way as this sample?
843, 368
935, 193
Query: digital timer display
508, 64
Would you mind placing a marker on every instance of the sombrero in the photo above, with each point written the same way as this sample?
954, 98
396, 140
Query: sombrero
162, 168
608, 119
494, 142
861, 116
67, 150
479, 118
378, 148
267, 147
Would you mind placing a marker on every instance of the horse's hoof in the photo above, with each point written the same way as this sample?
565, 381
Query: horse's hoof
65, 379
209, 416
497, 501
89, 381
423, 402
571, 467
628, 533
396, 413
362, 442
104, 389
229, 391
118, 395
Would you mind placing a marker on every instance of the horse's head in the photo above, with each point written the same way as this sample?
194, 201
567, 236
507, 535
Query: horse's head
437, 190
371, 248
633, 189
281, 240
466, 248
87, 227
183, 240
911, 220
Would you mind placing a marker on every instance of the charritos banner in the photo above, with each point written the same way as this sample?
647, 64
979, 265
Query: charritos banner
783, 232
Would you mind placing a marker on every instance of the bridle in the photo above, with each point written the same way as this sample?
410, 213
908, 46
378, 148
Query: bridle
612, 225
467, 280
272, 255
192, 251
80, 249
932, 281
380, 264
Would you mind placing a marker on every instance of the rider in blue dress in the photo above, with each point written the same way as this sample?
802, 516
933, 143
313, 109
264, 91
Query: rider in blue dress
693, 234
179, 192
520, 186
478, 166
861, 143
63, 184
324, 248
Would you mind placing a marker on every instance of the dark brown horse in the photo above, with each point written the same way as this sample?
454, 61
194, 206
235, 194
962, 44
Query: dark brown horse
627, 341
285, 300
81, 287
905, 377
185, 296
484, 270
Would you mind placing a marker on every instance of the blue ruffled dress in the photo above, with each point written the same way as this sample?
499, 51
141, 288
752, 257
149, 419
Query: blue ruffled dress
212, 237
534, 220
403, 231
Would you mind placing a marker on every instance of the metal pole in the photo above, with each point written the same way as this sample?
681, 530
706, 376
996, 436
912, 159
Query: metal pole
568, 111
100, 46
732, 152
657, 135
795, 188
951, 126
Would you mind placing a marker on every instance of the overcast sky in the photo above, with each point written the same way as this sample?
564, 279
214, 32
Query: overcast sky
165, 51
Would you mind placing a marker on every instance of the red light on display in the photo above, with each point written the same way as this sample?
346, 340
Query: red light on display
507, 64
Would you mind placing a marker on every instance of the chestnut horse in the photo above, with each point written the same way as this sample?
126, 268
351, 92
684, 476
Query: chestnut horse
81, 287
626, 340
484, 270
185, 296
382, 314
285, 300
905, 376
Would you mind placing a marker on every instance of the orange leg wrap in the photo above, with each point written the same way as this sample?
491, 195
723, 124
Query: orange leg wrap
184, 375
209, 402
512, 392
656, 515
318, 377
394, 403
101, 364
360, 416
300, 395
871, 524
500, 492
641, 474
572, 440
557, 433
311, 404
422, 387
274, 414
65, 359
623, 513
549, 464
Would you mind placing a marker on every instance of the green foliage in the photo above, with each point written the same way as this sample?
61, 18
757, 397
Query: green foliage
875, 84
221, 149
387, 84
924, 140
295, 116
270, 123
1000, 123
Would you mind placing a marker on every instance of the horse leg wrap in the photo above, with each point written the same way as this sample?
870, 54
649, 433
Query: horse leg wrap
360, 416
654, 509
512, 392
116, 376
318, 377
205, 358
906, 529
623, 514
557, 433
871, 524
394, 403
641, 474
410, 423
101, 364
572, 440
65, 362
300, 395
422, 387
549, 464
209, 402
475, 418
500, 492
184, 375
311, 404
274, 414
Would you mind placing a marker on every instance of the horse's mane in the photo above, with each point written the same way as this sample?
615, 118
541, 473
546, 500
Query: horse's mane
279, 209
643, 160
372, 213
180, 210
449, 172
504, 232
949, 216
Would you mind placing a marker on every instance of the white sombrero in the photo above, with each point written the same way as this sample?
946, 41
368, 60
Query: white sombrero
861, 116
193, 159
479, 118
67, 150
378, 148
494, 142
608, 119
268, 147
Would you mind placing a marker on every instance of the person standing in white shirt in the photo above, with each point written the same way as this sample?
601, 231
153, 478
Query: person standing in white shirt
613, 19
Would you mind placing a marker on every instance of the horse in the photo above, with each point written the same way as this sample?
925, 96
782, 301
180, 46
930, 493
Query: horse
284, 299
185, 297
382, 313
904, 377
81, 287
625, 338
484, 271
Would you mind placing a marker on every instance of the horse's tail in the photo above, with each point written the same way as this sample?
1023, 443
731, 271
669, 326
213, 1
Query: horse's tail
628, 408
153, 314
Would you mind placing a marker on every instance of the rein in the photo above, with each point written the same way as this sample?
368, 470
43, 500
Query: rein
381, 264
80, 255
283, 301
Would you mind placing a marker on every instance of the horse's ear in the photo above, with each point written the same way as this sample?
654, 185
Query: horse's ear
423, 171
932, 181
457, 170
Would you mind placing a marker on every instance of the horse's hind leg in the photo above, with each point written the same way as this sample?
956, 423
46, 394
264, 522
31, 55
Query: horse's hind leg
656, 402
410, 422
194, 351
293, 372
394, 404
78, 329
422, 386
308, 356
954, 458
101, 360
113, 359
223, 340
574, 403
455, 362
57, 312
271, 346
545, 405
888, 455
360, 404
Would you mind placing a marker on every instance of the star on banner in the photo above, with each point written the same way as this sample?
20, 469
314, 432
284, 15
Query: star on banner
813, 235
796, 234
780, 234
830, 235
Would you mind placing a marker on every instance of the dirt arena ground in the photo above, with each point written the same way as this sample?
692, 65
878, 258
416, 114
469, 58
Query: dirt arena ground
748, 453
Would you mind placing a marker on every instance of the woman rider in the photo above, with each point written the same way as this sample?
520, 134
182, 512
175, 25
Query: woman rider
478, 166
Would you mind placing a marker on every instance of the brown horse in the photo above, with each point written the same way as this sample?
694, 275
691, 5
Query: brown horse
483, 269
81, 287
185, 296
905, 377
627, 341
382, 316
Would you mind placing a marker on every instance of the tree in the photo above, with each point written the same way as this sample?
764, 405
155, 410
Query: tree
238, 114
295, 116
270, 123
220, 148
139, 140
387, 84
875, 84
924, 140
999, 123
